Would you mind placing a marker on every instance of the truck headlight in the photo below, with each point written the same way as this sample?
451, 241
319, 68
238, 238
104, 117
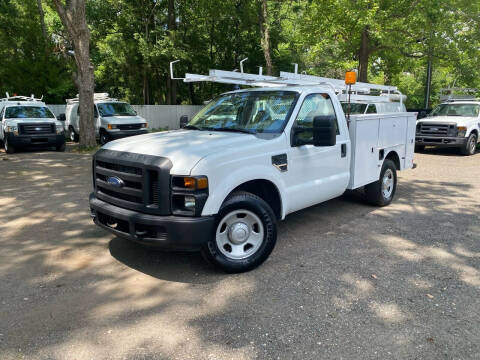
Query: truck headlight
189, 194
189, 202
60, 129
12, 129
111, 126
462, 130
144, 125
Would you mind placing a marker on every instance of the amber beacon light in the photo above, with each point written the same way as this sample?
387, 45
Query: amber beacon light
350, 77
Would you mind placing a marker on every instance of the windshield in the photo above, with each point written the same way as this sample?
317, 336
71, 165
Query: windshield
355, 108
253, 112
116, 109
31, 112
456, 110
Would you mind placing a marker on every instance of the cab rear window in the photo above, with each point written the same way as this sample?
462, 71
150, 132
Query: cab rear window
30, 112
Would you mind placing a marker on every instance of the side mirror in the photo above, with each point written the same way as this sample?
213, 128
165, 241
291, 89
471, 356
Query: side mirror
324, 130
183, 121
61, 117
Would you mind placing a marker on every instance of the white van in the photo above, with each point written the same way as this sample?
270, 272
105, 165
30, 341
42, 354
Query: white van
113, 119
26, 121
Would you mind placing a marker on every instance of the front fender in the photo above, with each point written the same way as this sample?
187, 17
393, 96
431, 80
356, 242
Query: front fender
222, 186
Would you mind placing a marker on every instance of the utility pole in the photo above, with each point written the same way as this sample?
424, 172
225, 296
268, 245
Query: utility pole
428, 82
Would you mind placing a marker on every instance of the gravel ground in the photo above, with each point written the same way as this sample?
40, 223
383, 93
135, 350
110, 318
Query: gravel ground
345, 281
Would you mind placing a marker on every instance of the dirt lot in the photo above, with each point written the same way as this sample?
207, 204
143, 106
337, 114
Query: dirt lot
346, 280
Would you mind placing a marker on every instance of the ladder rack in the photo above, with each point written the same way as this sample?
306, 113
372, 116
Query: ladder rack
96, 97
285, 79
21, 98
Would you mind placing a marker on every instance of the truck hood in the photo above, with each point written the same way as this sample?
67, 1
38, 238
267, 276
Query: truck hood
16, 122
184, 148
123, 119
458, 120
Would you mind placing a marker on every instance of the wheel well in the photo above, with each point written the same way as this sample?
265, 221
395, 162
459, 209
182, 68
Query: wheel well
392, 155
267, 191
475, 131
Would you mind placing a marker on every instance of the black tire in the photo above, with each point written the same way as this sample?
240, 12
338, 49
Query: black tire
73, 135
104, 137
470, 146
243, 201
419, 148
374, 192
60, 148
9, 149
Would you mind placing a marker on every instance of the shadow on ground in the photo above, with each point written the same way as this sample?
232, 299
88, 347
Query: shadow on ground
346, 280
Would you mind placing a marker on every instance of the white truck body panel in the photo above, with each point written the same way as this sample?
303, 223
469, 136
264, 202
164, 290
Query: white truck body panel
370, 134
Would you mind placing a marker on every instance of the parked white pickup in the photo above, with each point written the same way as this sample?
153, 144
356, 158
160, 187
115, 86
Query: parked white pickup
248, 159
455, 123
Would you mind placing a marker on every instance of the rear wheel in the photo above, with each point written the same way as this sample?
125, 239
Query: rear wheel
382, 191
9, 149
245, 234
470, 146
73, 135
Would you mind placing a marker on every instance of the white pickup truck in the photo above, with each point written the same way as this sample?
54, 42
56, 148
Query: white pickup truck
28, 122
245, 161
455, 123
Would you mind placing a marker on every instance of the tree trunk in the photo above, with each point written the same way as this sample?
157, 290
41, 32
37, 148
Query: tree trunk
363, 54
172, 25
265, 35
74, 20
42, 23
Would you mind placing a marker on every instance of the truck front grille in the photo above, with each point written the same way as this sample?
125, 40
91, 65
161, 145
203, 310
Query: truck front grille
429, 129
133, 181
129, 126
37, 129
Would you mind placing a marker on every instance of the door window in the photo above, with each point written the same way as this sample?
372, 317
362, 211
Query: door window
371, 109
1, 113
314, 105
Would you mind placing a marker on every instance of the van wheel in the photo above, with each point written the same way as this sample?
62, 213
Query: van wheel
9, 149
470, 146
245, 234
382, 191
104, 137
73, 135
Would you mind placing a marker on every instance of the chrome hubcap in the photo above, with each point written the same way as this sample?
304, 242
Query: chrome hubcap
387, 183
239, 234
473, 145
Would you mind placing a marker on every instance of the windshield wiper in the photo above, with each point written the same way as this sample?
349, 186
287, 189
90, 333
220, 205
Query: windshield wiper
193, 127
244, 131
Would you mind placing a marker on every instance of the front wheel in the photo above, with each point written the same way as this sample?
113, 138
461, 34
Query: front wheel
471, 145
74, 137
104, 138
381, 192
60, 148
245, 234
9, 149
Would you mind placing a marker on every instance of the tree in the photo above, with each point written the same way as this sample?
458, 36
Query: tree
73, 16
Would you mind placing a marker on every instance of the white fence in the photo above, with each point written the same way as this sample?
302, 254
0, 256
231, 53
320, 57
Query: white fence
158, 116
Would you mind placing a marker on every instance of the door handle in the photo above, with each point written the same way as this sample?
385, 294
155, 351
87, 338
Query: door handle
344, 150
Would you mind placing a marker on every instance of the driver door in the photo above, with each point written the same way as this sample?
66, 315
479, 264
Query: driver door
316, 173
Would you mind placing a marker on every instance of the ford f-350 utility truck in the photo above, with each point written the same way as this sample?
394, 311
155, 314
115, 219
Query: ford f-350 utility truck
245, 161
27, 121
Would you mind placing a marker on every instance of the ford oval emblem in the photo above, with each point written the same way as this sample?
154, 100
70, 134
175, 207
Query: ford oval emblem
115, 181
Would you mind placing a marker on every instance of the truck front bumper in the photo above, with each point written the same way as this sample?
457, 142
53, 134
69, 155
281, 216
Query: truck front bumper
440, 141
19, 141
166, 232
125, 133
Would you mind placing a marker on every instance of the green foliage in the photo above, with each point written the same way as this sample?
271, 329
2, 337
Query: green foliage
132, 44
